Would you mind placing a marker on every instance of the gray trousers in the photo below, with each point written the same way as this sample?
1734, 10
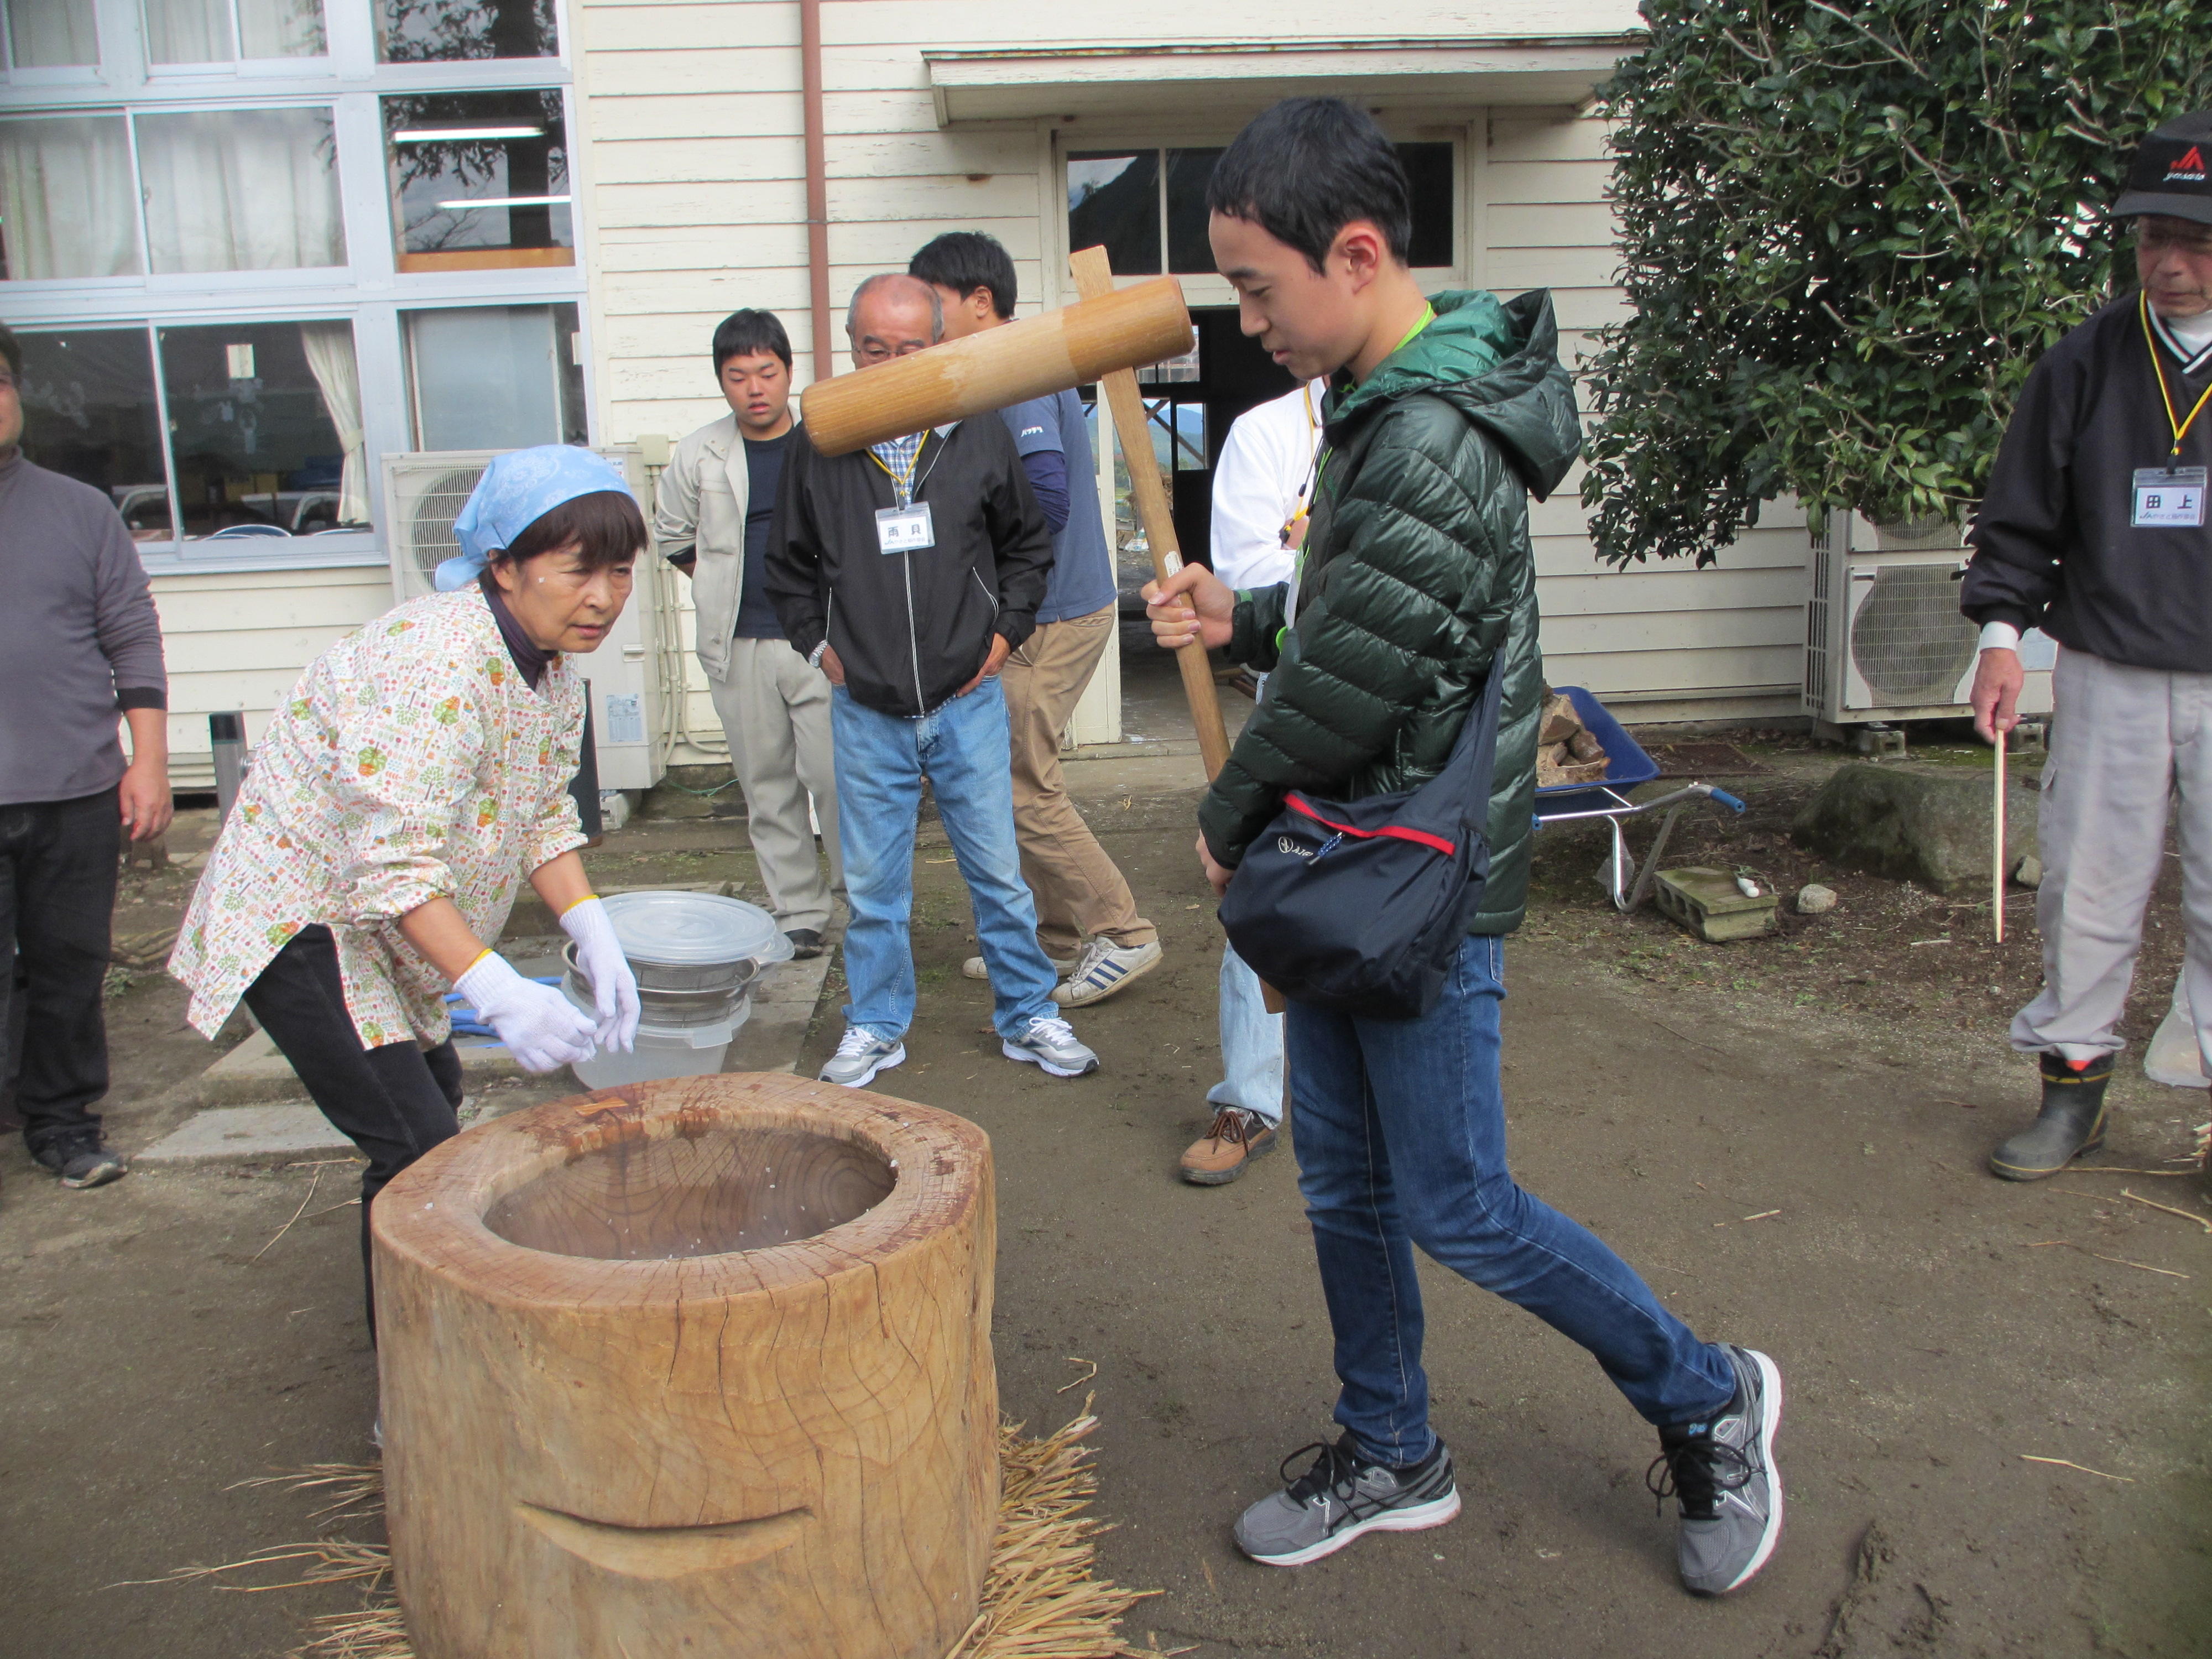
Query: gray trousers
774, 710
2128, 746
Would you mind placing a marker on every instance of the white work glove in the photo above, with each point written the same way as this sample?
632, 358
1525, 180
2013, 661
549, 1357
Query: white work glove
542, 1029
614, 987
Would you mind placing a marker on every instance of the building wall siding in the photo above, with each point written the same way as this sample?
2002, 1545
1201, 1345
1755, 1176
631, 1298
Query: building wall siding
240, 641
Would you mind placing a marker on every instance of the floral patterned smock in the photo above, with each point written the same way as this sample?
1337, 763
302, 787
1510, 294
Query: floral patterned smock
412, 762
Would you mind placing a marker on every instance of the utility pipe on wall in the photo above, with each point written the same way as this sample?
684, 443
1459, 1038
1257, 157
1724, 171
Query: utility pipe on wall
818, 183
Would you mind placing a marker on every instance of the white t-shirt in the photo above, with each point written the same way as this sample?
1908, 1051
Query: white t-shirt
1259, 484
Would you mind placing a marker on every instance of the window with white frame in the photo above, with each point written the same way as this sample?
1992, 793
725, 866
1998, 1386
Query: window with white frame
236, 288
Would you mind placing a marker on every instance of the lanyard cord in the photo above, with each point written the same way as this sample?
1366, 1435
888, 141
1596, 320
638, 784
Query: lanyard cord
2181, 426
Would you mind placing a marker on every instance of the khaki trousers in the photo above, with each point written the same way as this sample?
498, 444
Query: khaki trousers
1077, 888
2130, 752
775, 712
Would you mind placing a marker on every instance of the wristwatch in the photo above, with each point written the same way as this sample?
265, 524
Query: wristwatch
814, 657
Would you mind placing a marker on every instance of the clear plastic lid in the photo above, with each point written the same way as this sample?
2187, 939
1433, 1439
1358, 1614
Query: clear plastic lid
693, 930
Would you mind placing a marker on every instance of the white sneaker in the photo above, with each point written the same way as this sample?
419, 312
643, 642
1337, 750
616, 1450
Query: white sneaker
1051, 1043
1105, 969
860, 1055
975, 968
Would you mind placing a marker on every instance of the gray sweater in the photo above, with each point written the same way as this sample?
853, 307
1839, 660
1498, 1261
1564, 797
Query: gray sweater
79, 636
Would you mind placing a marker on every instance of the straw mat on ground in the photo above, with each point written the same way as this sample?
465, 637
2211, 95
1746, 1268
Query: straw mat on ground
1040, 1598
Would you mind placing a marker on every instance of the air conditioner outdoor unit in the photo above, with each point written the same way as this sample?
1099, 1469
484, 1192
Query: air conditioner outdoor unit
1884, 640
424, 492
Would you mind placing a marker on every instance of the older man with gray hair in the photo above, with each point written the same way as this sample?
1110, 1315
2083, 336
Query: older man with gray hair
908, 572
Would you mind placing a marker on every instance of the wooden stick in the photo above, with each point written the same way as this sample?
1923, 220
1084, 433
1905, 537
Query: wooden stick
1094, 279
1997, 839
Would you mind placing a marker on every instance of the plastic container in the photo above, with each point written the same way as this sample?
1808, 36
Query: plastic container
697, 956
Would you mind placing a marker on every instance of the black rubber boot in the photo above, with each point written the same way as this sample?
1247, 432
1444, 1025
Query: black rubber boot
2071, 1122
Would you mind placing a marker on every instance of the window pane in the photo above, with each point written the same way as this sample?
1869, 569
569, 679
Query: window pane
65, 198
479, 180
240, 190
1188, 172
1428, 171
496, 377
1115, 200
51, 33
89, 412
440, 31
199, 31
251, 429
281, 29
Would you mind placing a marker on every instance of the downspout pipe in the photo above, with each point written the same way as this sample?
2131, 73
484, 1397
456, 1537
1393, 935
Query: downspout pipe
818, 184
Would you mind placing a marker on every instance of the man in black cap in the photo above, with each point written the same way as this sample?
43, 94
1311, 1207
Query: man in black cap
2095, 528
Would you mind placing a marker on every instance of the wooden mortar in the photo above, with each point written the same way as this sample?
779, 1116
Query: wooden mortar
699, 1366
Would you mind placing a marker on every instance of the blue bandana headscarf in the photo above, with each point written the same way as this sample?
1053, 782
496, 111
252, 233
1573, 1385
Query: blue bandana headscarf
516, 491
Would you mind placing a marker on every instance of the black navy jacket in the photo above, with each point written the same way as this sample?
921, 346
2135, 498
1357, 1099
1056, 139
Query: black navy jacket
910, 628
2053, 546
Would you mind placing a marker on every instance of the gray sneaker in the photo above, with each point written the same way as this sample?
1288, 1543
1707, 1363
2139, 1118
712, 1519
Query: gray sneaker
976, 967
1340, 1496
860, 1055
1051, 1043
1723, 1473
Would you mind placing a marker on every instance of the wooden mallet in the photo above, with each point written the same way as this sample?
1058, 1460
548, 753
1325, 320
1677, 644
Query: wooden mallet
996, 366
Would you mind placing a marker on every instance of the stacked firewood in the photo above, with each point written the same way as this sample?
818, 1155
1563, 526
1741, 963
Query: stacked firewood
1567, 752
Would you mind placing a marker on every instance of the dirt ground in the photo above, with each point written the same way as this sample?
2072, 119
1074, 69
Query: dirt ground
1785, 1136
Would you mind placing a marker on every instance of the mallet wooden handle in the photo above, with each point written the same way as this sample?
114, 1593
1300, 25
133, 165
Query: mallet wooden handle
996, 366
1094, 278
1997, 837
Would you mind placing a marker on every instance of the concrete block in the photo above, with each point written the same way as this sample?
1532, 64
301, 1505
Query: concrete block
254, 1133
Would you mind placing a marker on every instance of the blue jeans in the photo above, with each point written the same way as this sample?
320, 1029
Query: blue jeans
1400, 1127
961, 747
1251, 1044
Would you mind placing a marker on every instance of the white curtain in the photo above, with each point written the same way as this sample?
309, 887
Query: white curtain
330, 360
240, 190
280, 29
189, 32
66, 197
199, 31
48, 33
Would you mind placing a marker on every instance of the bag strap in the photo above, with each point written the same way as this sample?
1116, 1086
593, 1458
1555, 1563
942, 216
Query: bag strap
1458, 799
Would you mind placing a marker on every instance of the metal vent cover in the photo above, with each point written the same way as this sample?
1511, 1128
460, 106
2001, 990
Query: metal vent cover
430, 539
1908, 641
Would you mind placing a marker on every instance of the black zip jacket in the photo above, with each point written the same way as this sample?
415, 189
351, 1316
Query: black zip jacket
910, 628
2053, 546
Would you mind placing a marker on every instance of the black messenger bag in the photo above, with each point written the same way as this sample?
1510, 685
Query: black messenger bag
1359, 907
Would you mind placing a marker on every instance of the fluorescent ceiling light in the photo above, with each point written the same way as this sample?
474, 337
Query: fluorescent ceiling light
504, 201
460, 135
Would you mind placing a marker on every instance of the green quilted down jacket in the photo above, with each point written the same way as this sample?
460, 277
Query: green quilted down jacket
1417, 578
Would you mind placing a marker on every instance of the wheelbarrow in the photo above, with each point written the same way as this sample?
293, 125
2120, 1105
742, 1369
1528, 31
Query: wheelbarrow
1628, 766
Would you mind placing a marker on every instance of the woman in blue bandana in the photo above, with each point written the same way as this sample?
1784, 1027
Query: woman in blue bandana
396, 803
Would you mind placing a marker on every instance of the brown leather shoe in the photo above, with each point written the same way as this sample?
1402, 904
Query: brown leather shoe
1234, 1140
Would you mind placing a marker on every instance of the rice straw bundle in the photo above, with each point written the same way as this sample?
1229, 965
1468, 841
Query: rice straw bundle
1040, 1600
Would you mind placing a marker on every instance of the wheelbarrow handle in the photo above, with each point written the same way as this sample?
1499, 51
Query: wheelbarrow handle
1727, 800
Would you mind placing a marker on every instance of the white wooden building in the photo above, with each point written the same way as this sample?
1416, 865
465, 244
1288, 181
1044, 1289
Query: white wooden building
645, 173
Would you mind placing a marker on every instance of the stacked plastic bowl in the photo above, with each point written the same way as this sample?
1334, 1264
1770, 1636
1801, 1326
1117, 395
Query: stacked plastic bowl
697, 958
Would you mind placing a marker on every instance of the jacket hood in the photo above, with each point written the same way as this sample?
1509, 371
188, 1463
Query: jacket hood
1495, 362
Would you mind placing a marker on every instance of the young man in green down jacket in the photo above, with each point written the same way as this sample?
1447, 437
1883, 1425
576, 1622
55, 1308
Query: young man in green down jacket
1416, 583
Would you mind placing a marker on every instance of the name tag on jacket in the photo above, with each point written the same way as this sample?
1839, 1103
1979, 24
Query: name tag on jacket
2167, 497
905, 529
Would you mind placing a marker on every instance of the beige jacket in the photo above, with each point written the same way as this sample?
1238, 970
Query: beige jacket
700, 511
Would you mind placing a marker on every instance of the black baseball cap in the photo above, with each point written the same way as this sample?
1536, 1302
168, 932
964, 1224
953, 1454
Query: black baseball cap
2169, 175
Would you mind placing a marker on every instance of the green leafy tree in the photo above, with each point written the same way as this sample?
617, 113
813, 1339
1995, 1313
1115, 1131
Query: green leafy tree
1848, 231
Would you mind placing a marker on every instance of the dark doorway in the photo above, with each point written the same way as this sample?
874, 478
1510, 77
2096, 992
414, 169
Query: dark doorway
1192, 399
